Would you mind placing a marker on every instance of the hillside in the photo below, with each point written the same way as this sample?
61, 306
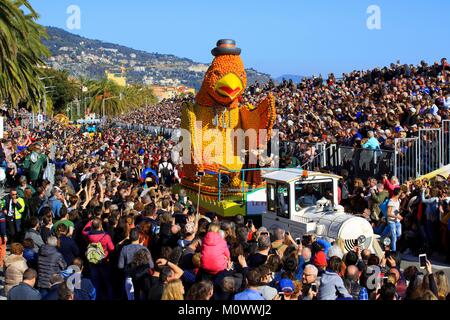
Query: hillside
91, 58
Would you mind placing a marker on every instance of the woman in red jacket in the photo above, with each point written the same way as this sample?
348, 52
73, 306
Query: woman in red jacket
215, 253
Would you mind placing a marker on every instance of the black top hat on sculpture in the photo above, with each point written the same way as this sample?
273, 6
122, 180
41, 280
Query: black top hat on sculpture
226, 46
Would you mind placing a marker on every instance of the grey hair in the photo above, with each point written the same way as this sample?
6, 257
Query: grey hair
312, 268
264, 242
279, 234
52, 241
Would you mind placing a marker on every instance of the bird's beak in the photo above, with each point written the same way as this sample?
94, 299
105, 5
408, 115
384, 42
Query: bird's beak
229, 85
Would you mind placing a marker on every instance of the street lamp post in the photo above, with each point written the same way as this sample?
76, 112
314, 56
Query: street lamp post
45, 94
103, 104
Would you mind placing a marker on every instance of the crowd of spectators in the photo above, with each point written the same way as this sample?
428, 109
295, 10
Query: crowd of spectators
362, 109
111, 221
99, 207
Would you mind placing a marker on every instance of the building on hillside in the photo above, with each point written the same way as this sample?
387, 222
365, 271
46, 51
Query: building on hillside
117, 78
169, 92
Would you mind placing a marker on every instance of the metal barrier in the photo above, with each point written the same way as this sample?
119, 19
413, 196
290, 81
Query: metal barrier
411, 157
364, 163
429, 150
406, 158
153, 130
445, 142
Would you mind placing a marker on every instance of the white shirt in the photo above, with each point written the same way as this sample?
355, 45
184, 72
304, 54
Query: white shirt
447, 103
395, 209
434, 110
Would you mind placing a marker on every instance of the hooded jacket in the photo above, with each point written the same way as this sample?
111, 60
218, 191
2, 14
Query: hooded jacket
215, 253
332, 287
104, 239
50, 261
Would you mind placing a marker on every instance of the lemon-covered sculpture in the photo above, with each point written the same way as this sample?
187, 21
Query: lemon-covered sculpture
217, 118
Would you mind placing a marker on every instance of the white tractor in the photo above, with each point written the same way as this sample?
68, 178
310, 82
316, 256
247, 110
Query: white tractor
304, 203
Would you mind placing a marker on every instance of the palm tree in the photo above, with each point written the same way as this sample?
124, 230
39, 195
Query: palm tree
118, 99
108, 91
21, 53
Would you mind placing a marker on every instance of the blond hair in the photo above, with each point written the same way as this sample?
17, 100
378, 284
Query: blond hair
442, 284
214, 227
174, 290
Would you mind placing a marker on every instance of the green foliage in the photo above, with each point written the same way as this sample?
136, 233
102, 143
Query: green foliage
118, 99
21, 53
61, 88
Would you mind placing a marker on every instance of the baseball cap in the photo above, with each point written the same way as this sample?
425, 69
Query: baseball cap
287, 285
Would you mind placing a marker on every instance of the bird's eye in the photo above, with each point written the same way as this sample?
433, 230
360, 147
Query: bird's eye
216, 72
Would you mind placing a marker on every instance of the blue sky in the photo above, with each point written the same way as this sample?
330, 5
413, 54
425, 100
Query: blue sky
277, 37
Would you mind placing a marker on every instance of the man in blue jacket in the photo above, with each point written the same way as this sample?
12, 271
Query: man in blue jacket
372, 143
25, 290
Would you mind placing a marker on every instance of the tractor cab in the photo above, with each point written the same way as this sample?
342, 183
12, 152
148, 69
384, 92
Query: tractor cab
293, 192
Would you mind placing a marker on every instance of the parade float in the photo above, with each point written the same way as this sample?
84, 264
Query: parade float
218, 177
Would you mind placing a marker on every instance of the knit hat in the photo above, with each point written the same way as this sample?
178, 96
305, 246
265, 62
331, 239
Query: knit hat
320, 259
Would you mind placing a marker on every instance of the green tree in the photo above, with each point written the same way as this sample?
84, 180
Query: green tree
62, 88
108, 93
117, 99
21, 53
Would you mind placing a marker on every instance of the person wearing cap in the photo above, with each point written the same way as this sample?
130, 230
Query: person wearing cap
288, 290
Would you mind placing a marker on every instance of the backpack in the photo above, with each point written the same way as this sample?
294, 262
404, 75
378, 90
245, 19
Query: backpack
166, 173
95, 253
384, 207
